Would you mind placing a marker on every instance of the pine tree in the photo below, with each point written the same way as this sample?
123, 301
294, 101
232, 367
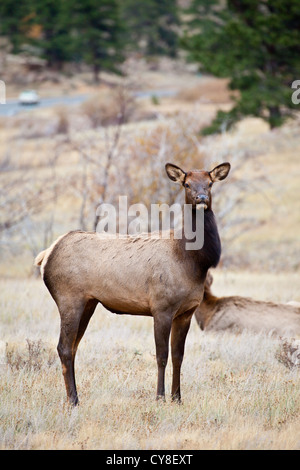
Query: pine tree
256, 44
99, 34
15, 22
55, 41
152, 25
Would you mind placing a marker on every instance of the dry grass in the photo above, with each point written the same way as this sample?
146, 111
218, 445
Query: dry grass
210, 91
236, 393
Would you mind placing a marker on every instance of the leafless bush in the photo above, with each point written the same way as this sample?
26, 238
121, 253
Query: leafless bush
210, 91
62, 121
25, 198
147, 154
34, 356
98, 158
132, 163
110, 108
288, 353
32, 126
37, 126
18, 198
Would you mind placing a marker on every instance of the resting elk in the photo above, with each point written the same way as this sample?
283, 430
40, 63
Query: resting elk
238, 313
137, 276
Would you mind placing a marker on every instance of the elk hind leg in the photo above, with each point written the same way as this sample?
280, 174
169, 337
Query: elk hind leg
85, 318
74, 320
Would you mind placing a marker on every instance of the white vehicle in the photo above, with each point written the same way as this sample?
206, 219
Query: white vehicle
29, 97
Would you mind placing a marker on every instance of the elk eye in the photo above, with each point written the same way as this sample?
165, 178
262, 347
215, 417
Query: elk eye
210, 184
186, 185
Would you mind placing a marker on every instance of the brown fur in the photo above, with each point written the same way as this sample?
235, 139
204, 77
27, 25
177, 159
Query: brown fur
242, 313
134, 275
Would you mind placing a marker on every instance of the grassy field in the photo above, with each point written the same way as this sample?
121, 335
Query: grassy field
237, 393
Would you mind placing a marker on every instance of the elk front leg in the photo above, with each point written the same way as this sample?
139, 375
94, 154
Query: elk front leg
162, 328
180, 328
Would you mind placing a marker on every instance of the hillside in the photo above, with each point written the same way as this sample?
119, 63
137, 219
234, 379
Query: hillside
53, 165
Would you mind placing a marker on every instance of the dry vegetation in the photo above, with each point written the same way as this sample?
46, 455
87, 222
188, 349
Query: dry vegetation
239, 392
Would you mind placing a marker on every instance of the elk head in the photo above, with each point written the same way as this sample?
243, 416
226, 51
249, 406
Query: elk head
197, 183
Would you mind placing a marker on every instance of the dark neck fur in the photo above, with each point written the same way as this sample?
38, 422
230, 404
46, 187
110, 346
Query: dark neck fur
211, 251
209, 255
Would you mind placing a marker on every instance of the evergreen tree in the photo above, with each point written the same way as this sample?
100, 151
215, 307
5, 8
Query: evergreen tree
255, 43
55, 41
15, 22
152, 25
99, 34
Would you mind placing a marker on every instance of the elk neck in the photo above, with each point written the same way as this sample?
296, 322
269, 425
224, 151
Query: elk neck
209, 255
212, 244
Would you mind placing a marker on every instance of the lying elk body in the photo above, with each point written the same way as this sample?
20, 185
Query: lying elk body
238, 313
136, 276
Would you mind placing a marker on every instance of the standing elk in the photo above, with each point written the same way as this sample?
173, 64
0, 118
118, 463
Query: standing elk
238, 313
137, 276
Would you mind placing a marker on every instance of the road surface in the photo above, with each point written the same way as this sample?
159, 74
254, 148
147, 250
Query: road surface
12, 106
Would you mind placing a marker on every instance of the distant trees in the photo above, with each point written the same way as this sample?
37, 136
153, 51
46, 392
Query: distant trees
96, 32
152, 25
14, 22
99, 34
43, 26
51, 30
255, 43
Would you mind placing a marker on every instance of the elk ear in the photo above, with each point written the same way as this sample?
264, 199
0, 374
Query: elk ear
220, 172
209, 279
175, 173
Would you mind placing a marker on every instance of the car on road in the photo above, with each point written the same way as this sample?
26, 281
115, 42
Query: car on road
29, 97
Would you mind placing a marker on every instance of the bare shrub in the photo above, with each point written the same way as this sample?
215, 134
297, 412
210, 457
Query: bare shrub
18, 199
93, 187
14, 357
149, 151
32, 126
120, 160
132, 163
62, 121
210, 91
110, 108
34, 356
24, 198
288, 353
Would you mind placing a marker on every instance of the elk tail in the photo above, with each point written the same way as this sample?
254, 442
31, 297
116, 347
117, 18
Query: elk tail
39, 259
43, 255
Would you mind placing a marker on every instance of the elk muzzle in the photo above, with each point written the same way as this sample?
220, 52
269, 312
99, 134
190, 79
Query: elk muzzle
202, 200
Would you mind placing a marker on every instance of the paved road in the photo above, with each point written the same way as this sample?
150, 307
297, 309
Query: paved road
12, 106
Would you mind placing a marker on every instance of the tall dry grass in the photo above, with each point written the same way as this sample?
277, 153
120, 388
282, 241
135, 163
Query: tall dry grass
236, 393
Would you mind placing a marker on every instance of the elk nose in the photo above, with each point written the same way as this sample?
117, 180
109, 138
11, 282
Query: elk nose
201, 198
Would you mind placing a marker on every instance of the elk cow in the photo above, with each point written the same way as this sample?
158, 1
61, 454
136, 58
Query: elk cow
243, 313
136, 276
